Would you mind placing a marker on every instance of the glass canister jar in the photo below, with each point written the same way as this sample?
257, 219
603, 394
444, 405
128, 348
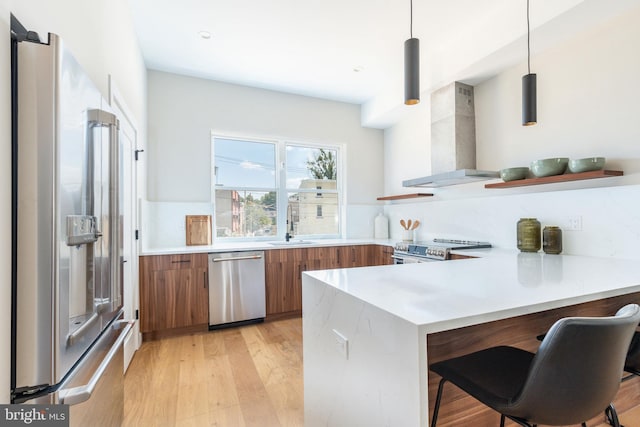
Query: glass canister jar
529, 235
552, 240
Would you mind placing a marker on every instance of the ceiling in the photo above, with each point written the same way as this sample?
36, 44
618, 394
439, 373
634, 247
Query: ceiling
352, 50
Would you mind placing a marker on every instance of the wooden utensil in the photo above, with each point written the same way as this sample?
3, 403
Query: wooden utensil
403, 224
416, 224
409, 225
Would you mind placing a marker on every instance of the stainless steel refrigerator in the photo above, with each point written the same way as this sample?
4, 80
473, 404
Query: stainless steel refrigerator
67, 324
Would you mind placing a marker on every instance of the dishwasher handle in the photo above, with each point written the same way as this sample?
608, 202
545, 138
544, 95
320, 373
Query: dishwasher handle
237, 258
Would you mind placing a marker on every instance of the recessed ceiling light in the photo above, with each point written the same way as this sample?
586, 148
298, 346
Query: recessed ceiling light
204, 34
358, 68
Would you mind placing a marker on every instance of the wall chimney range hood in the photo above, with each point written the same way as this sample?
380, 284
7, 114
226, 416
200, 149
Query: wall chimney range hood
453, 139
460, 176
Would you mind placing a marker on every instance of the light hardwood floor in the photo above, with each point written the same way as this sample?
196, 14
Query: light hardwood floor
247, 376
241, 377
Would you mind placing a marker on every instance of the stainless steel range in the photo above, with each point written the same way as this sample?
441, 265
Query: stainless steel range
435, 250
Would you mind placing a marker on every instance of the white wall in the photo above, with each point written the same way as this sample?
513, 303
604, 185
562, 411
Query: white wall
587, 102
407, 152
587, 106
184, 110
100, 33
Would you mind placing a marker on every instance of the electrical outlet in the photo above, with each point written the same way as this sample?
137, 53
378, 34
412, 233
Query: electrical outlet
574, 223
342, 344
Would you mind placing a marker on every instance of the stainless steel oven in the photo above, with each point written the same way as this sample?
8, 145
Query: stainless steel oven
435, 250
403, 257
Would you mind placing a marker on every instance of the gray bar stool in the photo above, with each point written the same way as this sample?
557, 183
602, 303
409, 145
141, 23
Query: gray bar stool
574, 375
632, 363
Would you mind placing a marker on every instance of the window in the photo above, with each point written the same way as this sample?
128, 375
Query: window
256, 199
312, 173
245, 188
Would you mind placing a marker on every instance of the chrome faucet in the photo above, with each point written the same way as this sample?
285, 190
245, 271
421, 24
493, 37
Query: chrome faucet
288, 235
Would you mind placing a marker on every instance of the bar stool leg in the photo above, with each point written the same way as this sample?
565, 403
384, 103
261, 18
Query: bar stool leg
437, 406
612, 416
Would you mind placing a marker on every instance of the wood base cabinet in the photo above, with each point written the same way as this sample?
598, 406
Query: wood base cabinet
173, 293
383, 255
453, 257
284, 268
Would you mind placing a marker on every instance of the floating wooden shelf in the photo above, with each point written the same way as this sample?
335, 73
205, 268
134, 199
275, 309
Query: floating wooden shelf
405, 196
555, 178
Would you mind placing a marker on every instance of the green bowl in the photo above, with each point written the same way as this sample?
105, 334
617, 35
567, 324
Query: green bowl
549, 167
512, 174
586, 165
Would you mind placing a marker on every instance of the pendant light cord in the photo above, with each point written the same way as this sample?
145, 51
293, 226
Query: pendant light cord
411, 20
528, 41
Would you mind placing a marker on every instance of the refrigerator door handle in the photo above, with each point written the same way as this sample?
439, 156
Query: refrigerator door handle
100, 305
73, 336
99, 118
82, 393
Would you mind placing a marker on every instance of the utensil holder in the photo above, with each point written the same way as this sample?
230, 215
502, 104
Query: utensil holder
407, 235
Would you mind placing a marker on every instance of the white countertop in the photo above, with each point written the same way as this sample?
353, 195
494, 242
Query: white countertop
446, 295
264, 245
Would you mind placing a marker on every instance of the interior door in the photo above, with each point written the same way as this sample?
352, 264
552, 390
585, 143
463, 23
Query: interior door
128, 204
126, 162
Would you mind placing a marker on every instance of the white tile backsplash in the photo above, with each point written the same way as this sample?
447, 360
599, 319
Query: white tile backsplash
610, 218
360, 221
163, 223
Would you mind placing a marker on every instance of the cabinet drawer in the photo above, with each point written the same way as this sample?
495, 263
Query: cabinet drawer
174, 262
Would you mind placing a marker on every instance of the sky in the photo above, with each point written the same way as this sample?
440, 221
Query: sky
253, 164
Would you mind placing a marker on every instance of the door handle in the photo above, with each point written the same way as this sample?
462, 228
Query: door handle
82, 393
72, 337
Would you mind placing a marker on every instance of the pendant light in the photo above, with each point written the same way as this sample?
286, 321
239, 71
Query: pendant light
529, 87
411, 67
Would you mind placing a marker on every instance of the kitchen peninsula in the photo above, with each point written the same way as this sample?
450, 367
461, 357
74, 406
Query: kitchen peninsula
370, 333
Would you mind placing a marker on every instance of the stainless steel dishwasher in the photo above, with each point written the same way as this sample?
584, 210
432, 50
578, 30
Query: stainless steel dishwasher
236, 288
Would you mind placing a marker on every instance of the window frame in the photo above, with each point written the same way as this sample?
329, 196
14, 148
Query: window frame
281, 189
